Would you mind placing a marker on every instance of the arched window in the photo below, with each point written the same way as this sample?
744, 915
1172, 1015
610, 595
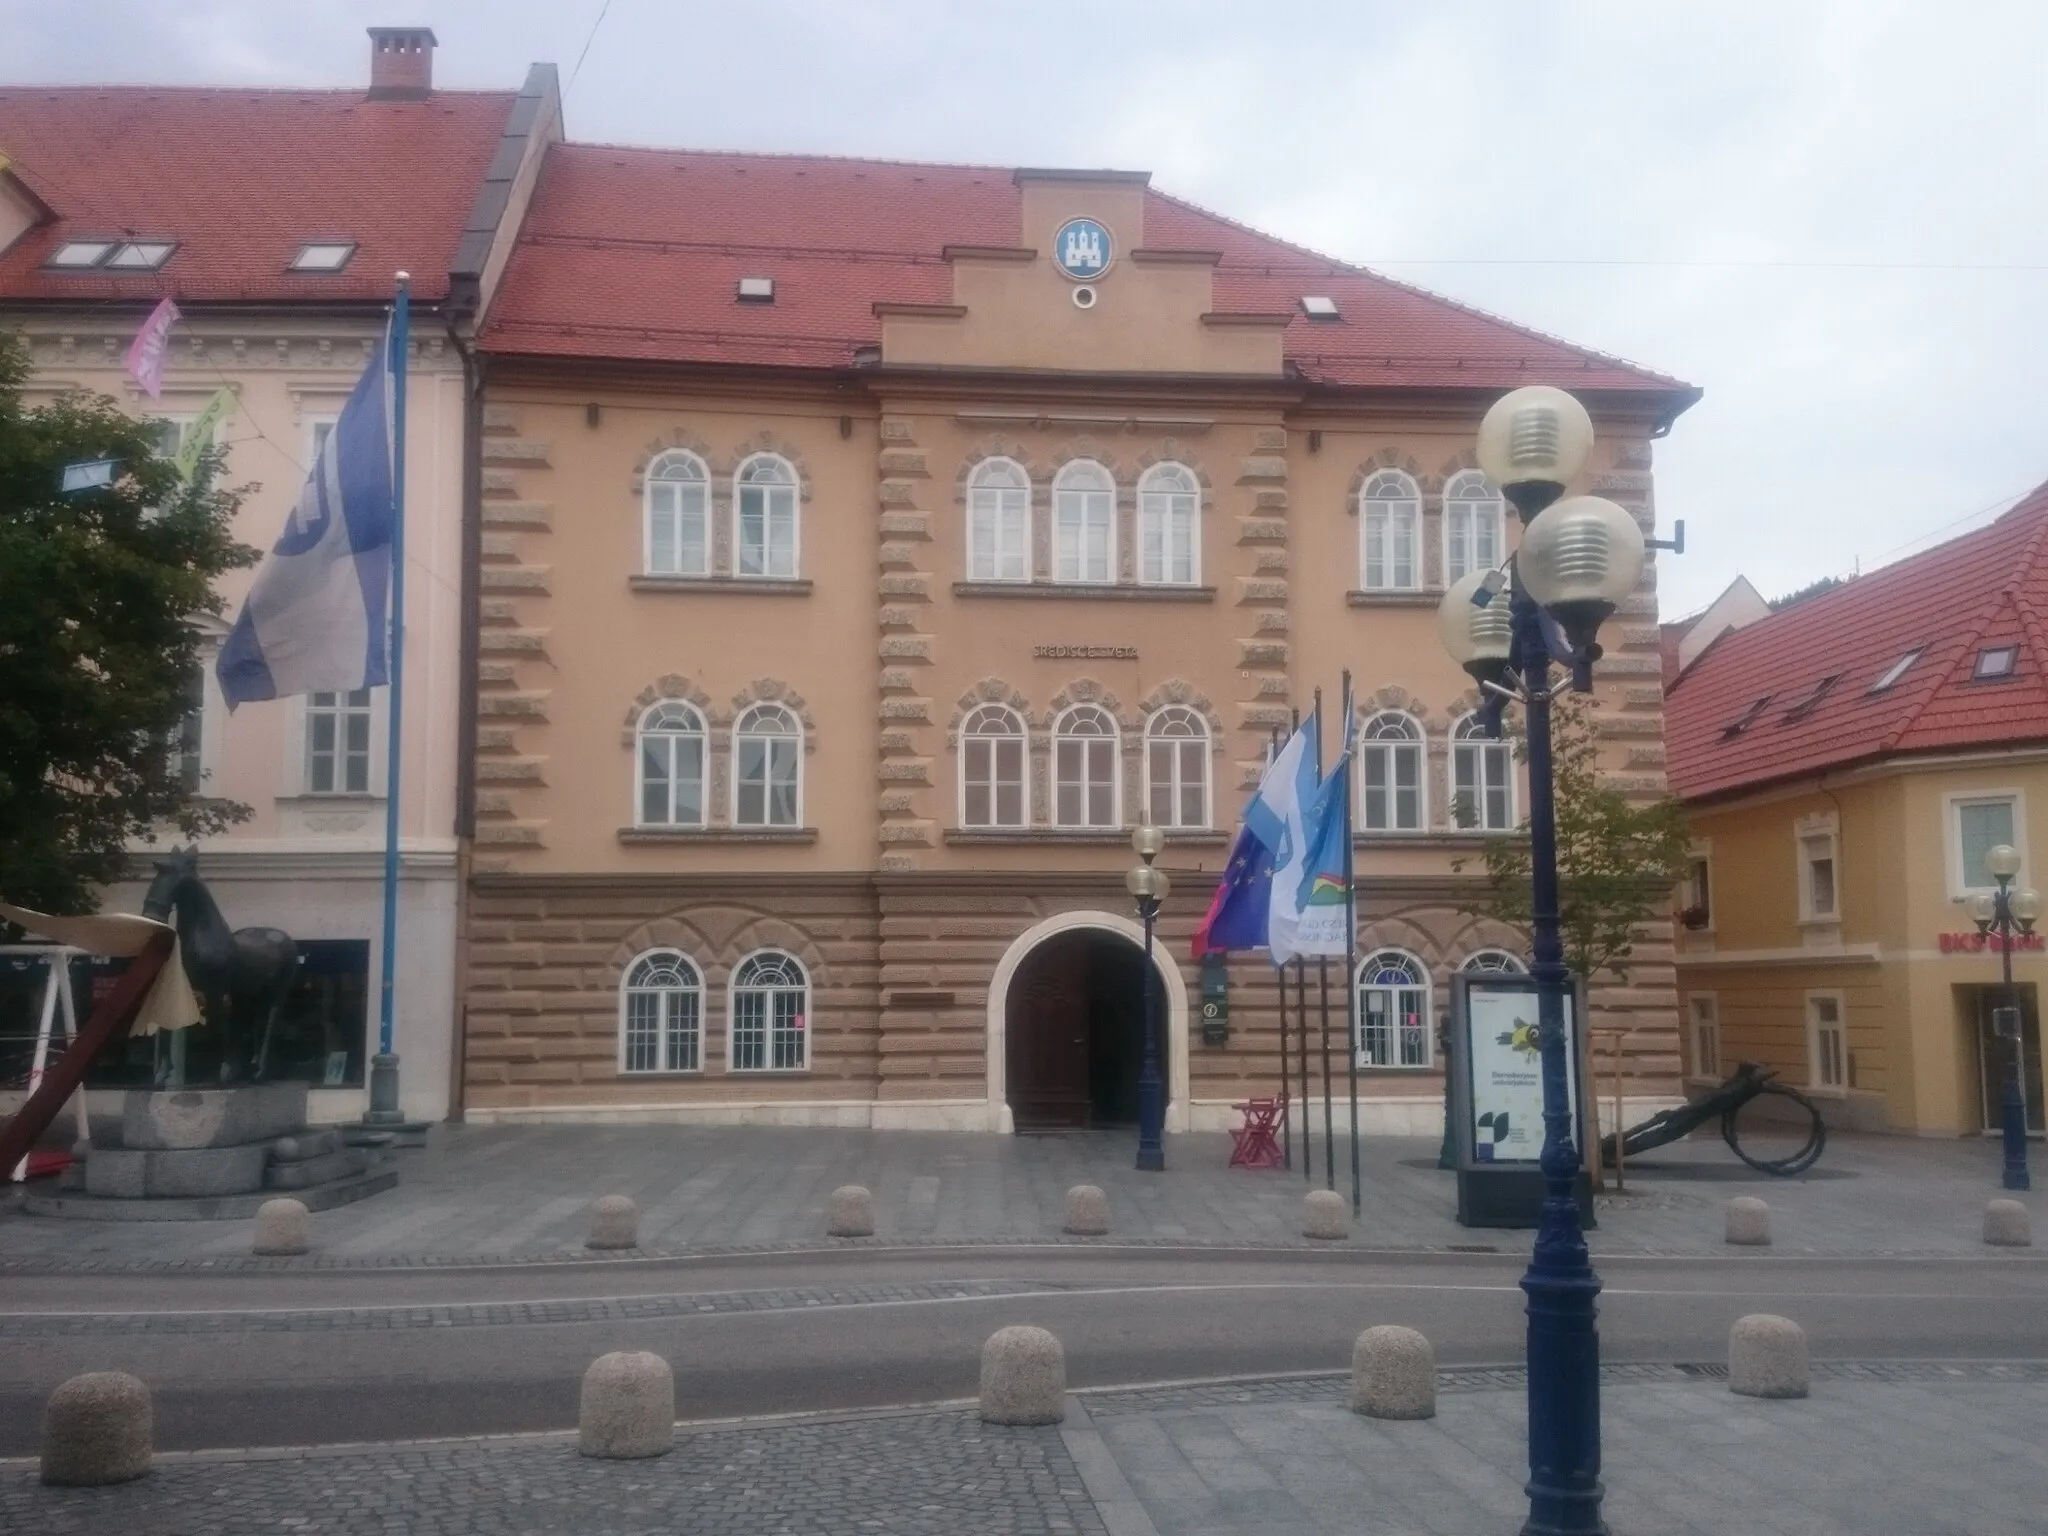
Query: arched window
1390, 533
1472, 526
992, 768
661, 1014
764, 514
1084, 523
771, 1005
1390, 774
1084, 765
1169, 526
1482, 778
1393, 1011
678, 516
670, 760
767, 776
1493, 962
999, 522
1177, 767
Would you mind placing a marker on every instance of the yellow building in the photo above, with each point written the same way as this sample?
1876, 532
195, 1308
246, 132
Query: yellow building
1846, 765
869, 547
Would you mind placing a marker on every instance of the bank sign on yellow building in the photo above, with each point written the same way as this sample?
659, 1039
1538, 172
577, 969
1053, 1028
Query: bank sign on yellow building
1847, 765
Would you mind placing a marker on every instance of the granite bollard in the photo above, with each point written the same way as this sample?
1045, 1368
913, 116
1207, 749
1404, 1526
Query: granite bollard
1087, 1211
614, 1223
283, 1227
2006, 1225
1023, 1377
1767, 1357
1749, 1222
97, 1428
852, 1212
1393, 1374
628, 1408
1325, 1215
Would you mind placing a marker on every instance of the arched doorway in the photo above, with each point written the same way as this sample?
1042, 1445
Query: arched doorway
1074, 1031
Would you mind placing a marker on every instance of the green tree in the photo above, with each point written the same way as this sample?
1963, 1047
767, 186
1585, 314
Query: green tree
1616, 861
97, 647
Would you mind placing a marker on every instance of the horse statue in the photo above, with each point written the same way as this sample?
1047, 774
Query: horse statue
241, 975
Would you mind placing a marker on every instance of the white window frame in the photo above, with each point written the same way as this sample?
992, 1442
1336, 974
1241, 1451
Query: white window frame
1424, 988
317, 427
1697, 854
1112, 743
211, 709
1464, 738
794, 735
1815, 1057
1020, 732
1959, 888
1467, 491
1164, 506
1493, 962
1382, 518
1191, 745
378, 709
739, 984
795, 487
999, 504
667, 1028
697, 730
701, 479
1807, 832
1703, 1035
1083, 521
1386, 749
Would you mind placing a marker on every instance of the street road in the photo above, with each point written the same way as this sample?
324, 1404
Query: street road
298, 1358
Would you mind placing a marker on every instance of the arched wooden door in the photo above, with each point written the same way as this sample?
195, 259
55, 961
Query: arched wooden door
1045, 1032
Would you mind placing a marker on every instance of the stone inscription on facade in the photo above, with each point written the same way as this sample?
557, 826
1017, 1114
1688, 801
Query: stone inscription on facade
1085, 652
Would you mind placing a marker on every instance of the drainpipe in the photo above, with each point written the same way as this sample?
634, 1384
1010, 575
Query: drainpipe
465, 727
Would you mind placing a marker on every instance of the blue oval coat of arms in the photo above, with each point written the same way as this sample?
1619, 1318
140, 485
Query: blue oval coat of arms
1082, 250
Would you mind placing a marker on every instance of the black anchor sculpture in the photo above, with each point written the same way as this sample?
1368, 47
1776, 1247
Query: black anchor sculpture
241, 975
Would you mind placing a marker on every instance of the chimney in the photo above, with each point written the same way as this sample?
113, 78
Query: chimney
401, 63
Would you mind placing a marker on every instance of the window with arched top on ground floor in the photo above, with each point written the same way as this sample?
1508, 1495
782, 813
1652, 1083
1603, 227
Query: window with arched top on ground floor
992, 747
661, 1013
1394, 1029
771, 1006
1085, 743
1493, 962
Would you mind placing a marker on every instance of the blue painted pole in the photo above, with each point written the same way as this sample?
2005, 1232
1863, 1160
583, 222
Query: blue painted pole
384, 1108
1563, 1342
2014, 1174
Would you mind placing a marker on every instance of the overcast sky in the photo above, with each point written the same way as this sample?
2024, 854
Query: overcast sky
1827, 215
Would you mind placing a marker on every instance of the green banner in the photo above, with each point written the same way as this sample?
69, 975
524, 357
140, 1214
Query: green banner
199, 432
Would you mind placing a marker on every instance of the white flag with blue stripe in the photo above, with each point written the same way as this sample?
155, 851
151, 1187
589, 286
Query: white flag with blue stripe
314, 622
1277, 817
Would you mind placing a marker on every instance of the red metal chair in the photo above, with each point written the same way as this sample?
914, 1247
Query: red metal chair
1256, 1144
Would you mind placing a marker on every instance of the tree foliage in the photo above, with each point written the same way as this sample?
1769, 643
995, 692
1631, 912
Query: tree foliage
97, 643
1616, 861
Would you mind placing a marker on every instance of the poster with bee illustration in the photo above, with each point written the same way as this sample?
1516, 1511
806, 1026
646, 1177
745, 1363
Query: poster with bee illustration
1507, 1070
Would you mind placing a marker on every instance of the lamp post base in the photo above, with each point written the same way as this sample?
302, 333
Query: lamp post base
384, 1115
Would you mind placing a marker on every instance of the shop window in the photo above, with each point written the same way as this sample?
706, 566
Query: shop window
1703, 1020
661, 1008
770, 1014
670, 766
1472, 526
1084, 753
1827, 1051
999, 522
1177, 768
677, 511
1393, 1011
1390, 533
1390, 774
992, 768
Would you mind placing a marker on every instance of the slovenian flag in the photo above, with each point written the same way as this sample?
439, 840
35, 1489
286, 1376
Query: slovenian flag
1240, 914
314, 621
1324, 893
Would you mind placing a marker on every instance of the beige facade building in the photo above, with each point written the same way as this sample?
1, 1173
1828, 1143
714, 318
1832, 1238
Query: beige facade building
867, 548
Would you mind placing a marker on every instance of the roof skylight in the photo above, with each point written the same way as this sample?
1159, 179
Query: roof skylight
1995, 662
142, 255
1746, 719
757, 290
1319, 307
323, 256
1895, 671
1811, 702
80, 253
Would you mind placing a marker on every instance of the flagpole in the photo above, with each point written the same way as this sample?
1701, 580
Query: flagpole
1308, 1150
1351, 959
384, 1104
1295, 1109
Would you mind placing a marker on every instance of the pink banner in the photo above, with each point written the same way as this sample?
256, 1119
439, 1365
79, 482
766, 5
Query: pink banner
146, 354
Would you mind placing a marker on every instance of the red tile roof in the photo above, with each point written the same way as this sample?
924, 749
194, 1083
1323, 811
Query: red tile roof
241, 179
634, 253
1985, 589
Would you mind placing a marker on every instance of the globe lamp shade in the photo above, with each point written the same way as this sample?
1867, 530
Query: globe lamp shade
1478, 638
1982, 910
2003, 861
1147, 884
1534, 435
2026, 907
1579, 558
1148, 841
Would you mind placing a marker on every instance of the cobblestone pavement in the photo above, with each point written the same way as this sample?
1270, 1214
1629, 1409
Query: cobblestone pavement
508, 1193
1935, 1450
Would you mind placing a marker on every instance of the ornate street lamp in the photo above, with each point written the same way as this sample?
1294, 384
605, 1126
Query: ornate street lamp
1579, 557
1149, 886
2001, 913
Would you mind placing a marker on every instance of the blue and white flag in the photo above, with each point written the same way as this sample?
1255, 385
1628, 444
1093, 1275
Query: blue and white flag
1276, 817
1323, 896
314, 622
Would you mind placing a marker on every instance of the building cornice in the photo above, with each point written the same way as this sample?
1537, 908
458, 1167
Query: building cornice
1870, 770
